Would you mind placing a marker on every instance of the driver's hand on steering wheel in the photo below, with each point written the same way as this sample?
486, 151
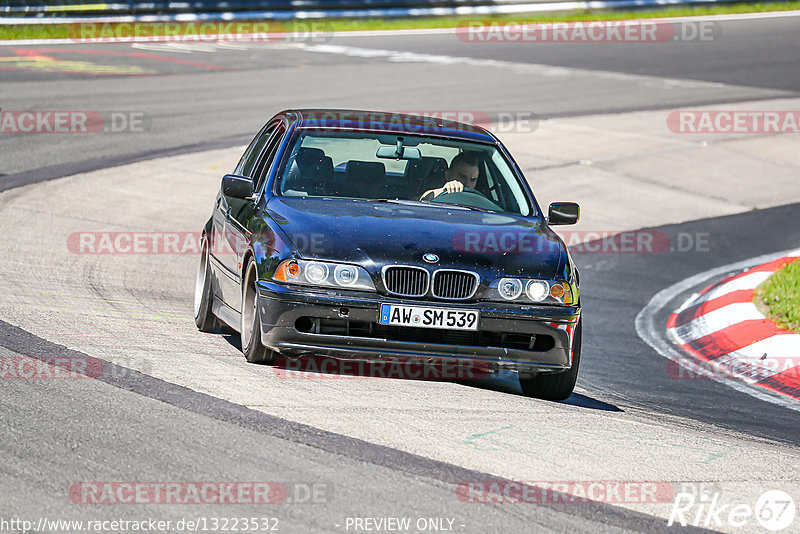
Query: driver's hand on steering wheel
453, 186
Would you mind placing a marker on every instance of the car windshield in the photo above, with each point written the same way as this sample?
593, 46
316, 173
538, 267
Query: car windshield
365, 166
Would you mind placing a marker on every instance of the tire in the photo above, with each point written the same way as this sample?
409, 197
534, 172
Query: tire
558, 386
254, 351
204, 318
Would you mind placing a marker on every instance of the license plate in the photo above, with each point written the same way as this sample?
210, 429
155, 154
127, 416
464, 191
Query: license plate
396, 315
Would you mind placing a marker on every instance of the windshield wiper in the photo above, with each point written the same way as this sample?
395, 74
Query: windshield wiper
406, 202
482, 210
428, 203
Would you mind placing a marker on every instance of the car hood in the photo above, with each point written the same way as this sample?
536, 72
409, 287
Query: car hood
375, 234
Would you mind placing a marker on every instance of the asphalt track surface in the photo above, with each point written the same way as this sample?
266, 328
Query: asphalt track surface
133, 426
195, 96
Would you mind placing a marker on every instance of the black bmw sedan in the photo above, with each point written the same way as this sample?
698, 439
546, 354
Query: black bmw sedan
361, 235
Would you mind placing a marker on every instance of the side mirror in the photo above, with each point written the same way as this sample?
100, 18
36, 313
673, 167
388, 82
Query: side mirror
237, 186
563, 213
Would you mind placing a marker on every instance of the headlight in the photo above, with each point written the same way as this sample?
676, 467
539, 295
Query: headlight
509, 288
316, 273
345, 275
323, 274
535, 290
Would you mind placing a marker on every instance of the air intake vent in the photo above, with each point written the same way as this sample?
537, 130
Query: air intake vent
406, 281
454, 285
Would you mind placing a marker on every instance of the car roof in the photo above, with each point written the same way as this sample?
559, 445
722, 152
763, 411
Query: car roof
389, 121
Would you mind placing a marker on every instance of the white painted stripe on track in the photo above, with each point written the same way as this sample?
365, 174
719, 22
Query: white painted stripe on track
778, 346
748, 370
699, 18
183, 48
764, 358
517, 67
745, 281
652, 332
715, 321
745, 362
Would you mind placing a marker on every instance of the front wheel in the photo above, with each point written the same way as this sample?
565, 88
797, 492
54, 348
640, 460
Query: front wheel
254, 351
556, 386
204, 318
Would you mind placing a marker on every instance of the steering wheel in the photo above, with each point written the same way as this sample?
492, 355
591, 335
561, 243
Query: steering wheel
469, 197
465, 190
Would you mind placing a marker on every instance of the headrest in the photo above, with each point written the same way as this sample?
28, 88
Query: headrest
356, 170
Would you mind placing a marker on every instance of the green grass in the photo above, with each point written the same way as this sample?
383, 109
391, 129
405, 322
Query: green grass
66, 31
778, 297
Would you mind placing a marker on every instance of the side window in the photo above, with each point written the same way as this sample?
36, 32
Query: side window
268, 155
248, 161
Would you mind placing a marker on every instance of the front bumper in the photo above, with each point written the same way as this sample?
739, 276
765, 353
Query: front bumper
287, 313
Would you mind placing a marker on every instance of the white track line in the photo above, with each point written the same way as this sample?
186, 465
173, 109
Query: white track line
652, 332
699, 18
747, 281
780, 351
397, 56
714, 321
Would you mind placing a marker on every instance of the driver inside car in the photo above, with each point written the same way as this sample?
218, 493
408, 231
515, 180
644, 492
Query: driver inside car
462, 172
